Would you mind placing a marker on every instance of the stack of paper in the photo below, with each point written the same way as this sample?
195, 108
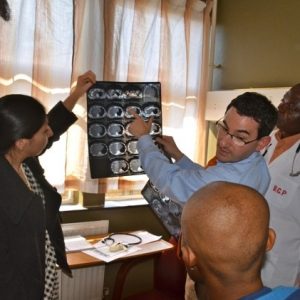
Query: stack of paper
77, 243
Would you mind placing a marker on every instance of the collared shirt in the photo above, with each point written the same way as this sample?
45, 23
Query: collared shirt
282, 265
181, 179
279, 293
283, 144
256, 295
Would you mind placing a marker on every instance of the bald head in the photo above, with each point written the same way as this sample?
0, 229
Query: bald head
226, 225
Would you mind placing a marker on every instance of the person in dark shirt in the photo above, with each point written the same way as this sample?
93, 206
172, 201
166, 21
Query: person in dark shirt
31, 239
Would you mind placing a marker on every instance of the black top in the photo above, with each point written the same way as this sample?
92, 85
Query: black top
23, 221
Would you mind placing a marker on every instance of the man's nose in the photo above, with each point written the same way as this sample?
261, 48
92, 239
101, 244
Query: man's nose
225, 140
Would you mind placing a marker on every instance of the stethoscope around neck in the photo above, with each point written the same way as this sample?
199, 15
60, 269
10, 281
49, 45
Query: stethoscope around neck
292, 172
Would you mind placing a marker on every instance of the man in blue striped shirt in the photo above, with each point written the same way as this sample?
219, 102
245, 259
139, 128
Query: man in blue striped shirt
242, 133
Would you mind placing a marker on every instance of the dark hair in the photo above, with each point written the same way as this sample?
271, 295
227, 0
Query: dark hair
4, 10
21, 116
258, 107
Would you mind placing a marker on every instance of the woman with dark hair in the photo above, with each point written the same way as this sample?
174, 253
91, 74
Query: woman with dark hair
31, 239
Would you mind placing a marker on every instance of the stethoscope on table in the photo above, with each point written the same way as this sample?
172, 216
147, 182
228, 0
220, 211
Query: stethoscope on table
292, 173
115, 246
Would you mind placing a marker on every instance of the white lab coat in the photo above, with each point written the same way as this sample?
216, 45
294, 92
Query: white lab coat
282, 266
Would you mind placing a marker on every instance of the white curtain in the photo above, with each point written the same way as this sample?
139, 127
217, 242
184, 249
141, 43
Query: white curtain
36, 59
51, 42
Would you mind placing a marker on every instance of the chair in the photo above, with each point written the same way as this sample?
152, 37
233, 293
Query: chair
168, 279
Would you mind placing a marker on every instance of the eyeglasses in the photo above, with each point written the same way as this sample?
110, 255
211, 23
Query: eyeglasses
223, 130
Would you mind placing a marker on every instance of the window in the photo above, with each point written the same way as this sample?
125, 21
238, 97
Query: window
51, 43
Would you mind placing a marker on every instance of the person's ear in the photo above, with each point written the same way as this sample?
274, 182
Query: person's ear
21, 144
263, 143
271, 239
188, 256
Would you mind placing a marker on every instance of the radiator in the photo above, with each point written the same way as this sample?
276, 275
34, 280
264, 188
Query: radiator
87, 283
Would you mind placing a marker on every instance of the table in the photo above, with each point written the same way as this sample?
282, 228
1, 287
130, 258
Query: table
81, 260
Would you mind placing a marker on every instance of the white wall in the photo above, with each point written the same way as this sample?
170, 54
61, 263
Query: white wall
217, 101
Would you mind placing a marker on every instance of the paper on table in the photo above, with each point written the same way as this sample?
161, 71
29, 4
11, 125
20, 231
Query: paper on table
146, 236
104, 253
77, 243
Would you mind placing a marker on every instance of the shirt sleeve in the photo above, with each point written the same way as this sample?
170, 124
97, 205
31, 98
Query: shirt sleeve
186, 163
178, 181
59, 120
